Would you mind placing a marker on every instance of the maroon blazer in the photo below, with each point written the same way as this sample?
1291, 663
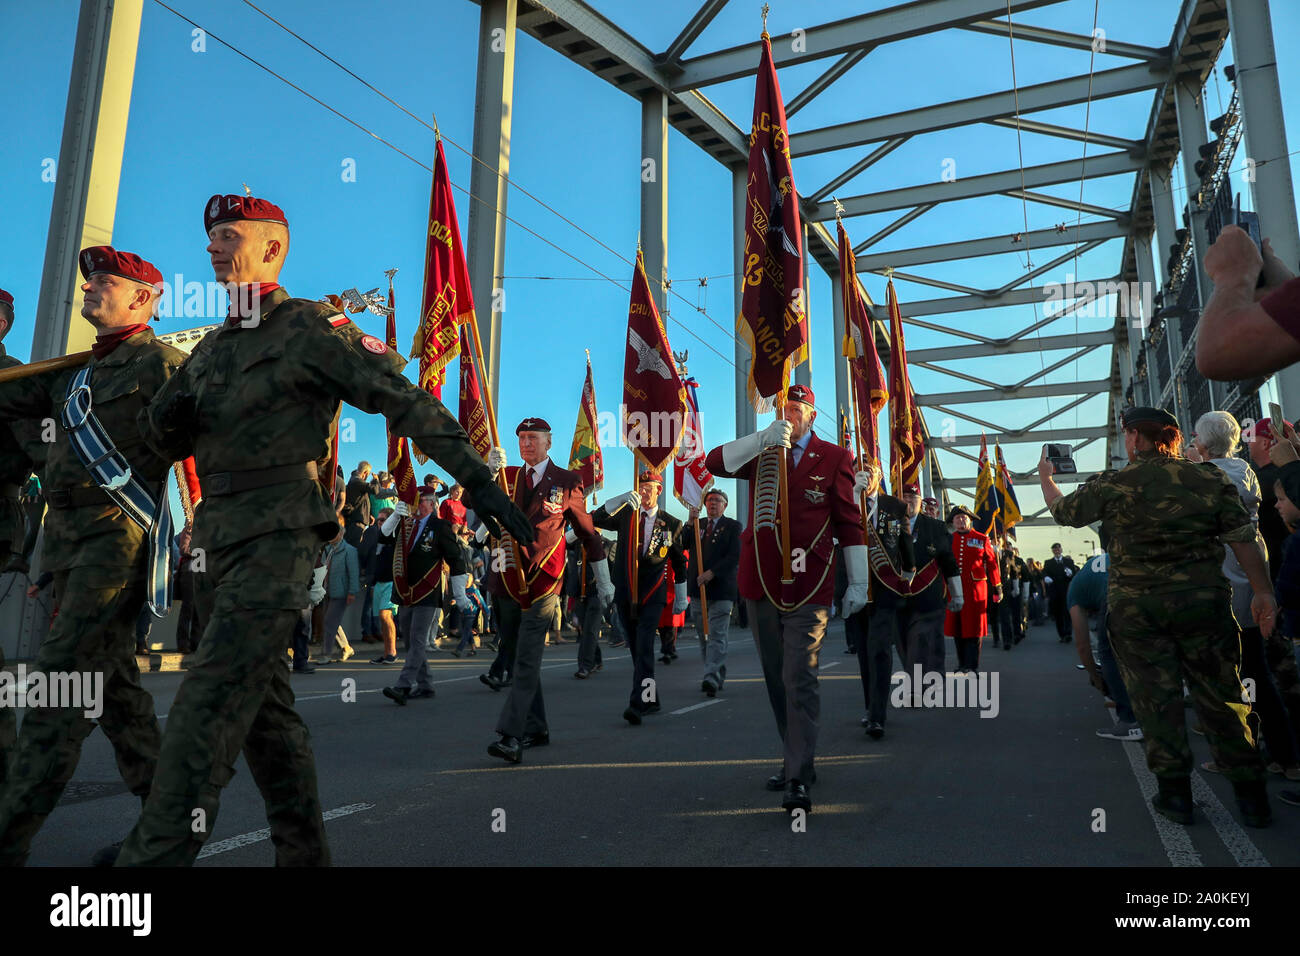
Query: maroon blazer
558, 500
822, 508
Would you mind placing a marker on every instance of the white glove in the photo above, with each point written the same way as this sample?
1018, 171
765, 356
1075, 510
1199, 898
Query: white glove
862, 481
736, 453
400, 511
1047, 579
604, 589
481, 533
855, 563
458, 584
496, 460
679, 600
316, 593
618, 502
570, 538
1068, 572
955, 598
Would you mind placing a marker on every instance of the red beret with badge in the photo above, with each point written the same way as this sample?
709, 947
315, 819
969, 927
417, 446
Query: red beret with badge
125, 264
427, 491
241, 208
800, 393
912, 488
652, 477
532, 425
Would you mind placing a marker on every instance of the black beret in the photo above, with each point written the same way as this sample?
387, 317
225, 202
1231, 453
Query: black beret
1145, 415
532, 425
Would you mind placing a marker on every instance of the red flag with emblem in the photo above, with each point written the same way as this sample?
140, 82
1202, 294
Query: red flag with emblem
866, 376
654, 400
399, 455
691, 478
472, 415
773, 318
448, 300
906, 440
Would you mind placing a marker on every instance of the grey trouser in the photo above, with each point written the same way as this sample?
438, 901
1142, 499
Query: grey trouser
922, 640
591, 613
334, 611
416, 622
715, 651
788, 645
525, 711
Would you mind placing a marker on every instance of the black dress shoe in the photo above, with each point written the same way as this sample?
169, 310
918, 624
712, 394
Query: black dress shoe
421, 693
304, 669
534, 740
491, 681
632, 716
709, 688
865, 721
875, 730
509, 749
665, 659
398, 694
776, 782
796, 797
652, 708
582, 673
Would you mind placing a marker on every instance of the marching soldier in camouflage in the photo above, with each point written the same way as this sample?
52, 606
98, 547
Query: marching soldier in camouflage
97, 554
254, 404
1170, 605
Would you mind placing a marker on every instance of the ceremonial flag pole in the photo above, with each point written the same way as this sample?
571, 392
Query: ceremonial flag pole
691, 479
773, 316
585, 456
907, 443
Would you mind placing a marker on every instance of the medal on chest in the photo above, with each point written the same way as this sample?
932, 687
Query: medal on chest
554, 502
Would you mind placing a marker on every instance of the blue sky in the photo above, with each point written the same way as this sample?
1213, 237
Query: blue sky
205, 122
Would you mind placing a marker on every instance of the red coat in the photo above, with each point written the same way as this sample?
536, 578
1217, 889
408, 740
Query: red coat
977, 563
666, 617
822, 508
555, 502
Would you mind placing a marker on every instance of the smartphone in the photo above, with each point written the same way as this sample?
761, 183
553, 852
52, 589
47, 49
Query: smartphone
1249, 221
1276, 422
1062, 459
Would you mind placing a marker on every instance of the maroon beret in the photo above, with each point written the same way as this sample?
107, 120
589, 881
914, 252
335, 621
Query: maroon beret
427, 491
533, 425
248, 208
125, 264
651, 477
800, 393
6, 298
929, 501
912, 488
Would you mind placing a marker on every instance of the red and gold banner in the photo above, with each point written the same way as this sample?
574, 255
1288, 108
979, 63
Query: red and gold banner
866, 376
691, 477
906, 439
585, 456
773, 319
472, 414
448, 300
654, 399
399, 455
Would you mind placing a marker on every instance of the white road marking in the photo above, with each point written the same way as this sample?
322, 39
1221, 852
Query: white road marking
257, 836
827, 667
704, 703
1240, 845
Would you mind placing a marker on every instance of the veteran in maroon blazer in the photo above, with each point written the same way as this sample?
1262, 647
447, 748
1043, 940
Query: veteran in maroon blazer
789, 620
552, 498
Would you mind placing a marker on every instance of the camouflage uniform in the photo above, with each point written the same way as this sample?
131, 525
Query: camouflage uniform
265, 396
1171, 620
98, 557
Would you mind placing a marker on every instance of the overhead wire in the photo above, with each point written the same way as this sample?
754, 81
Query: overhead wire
1083, 172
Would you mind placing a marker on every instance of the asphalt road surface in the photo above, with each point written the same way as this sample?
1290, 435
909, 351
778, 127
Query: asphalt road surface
414, 785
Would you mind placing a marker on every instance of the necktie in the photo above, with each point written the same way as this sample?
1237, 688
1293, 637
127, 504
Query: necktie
645, 533
708, 529
532, 479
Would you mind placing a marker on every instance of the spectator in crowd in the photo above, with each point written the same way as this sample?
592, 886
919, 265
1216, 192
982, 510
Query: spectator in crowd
1246, 331
380, 574
1216, 440
365, 554
977, 564
1287, 574
1004, 619
1057, 571
356, 504
1271, 526
931, 509
452, 508
342, 585
1037, 592
302, 630
1170, 609
189, 625
1087, 599
591, 611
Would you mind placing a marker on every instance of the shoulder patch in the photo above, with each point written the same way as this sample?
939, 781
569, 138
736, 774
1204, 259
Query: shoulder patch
338, 319
372, 344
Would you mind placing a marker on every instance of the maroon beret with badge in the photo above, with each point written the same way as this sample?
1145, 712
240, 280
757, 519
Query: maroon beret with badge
6, 298
800, 393
912, 488
125, 264
246, 208
427, 491
533, 425
651, 477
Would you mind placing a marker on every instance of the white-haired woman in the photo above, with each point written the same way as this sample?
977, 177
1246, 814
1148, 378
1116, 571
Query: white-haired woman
1216, 439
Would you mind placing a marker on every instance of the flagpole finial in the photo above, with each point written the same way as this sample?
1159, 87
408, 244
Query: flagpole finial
839, 209
390, 273
247, 190
766, 9
888, 273
437, 133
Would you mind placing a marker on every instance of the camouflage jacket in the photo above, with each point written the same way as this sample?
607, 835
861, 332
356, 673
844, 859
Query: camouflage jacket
121, 384
21, 448
1166, 521
267, 395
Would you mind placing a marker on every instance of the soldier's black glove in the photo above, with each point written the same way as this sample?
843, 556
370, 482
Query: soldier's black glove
180, 414
498, 512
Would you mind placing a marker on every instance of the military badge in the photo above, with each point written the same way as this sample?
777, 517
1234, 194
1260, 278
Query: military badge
816, 477
813, 495
372, 344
